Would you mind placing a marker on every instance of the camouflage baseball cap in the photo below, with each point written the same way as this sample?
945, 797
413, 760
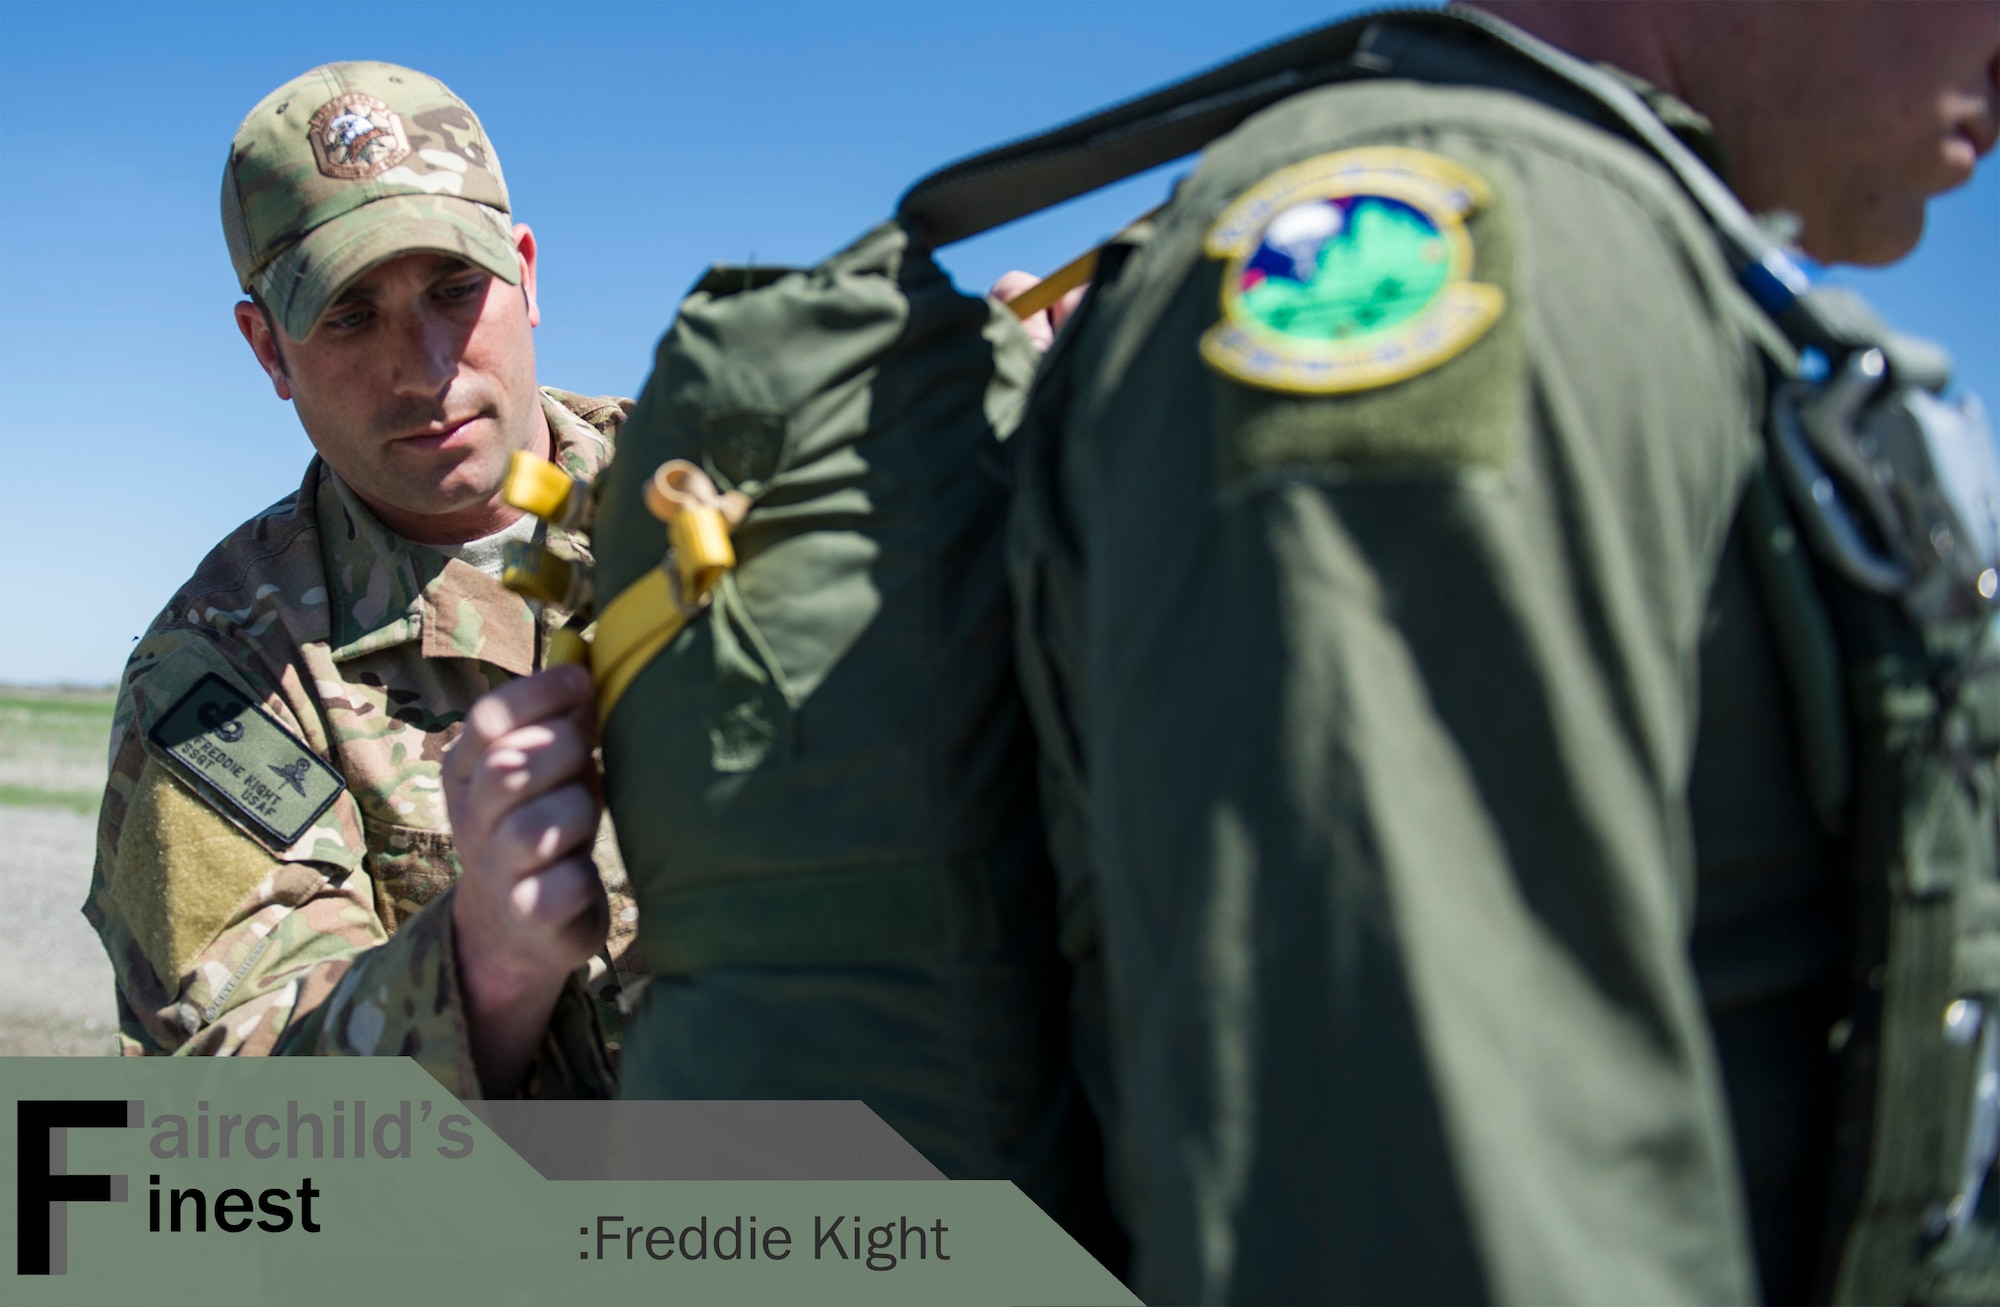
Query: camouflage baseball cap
351, 164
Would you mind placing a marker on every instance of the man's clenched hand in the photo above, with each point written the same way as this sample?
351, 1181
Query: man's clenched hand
520, 785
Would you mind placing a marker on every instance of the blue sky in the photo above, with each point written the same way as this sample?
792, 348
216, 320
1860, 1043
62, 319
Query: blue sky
642, 141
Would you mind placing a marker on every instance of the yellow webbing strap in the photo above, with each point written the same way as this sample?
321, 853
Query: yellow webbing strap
566, 646
631, 630
1077, 272
650, 612
1056, 285
534, 573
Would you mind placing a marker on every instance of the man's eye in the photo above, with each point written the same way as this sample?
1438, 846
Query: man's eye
459, 291
346, 320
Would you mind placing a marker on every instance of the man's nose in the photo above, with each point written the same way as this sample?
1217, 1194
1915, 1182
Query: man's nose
429, 350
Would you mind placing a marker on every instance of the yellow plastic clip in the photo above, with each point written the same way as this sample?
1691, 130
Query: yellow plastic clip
702, 552
535, 485
640, 620
682, 496
534, 573
567, 645
646, 615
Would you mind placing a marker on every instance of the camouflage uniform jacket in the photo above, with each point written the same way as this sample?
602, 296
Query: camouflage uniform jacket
274, 828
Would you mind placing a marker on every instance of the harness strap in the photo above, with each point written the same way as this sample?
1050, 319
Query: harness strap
634, 627
646, 615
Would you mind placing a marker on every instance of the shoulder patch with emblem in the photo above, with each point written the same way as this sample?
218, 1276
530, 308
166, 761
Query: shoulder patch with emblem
1348, 272
259, 771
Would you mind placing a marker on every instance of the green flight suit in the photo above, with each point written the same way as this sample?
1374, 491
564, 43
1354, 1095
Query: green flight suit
1426, 748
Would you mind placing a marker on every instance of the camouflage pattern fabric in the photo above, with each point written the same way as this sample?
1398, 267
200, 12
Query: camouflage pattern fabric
363, 652
347, 163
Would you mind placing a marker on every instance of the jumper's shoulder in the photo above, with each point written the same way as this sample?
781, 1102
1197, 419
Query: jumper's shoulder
218, 693
584, 427
220, 801
1531, 148
604, 412
257, 598
1383, 272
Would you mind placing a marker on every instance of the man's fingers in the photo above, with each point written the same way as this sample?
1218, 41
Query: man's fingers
1060, 310
520, 789
541, 830
558, 692
557, 894
561, 916
1041, 327
523, 764
1011, 284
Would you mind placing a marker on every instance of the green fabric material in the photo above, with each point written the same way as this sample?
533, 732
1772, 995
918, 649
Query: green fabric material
1379, 766
824, 787
1925, 828
1770, 929
1806, 643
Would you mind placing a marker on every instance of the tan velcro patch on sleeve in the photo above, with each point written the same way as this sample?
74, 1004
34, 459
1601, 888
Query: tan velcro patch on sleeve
182, 870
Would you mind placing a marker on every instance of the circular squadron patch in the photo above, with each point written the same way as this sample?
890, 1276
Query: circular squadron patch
355, 136
1349, 271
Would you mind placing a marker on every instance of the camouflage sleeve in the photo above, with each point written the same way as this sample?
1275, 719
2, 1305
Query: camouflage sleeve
401, 998
221, 945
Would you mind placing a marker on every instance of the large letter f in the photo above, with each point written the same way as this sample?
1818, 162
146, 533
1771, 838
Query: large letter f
41, 1157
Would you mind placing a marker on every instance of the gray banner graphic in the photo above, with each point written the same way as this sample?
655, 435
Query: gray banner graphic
639, 1140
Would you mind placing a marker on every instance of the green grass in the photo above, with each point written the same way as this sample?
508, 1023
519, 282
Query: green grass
33, 796
52, 746
59, 700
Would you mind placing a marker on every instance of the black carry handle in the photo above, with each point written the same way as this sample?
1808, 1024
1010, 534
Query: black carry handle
1013, 181
1426, 45
991, 189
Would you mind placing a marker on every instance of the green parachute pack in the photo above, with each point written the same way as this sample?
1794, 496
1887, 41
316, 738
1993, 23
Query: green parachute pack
816, 753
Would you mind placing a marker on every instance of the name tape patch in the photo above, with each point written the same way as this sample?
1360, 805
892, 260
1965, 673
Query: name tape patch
244, 758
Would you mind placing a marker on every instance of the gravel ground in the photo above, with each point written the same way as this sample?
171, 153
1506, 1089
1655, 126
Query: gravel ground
51, 766
55, 983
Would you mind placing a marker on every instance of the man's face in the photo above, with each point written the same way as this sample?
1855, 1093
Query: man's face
415, 385
1853, 115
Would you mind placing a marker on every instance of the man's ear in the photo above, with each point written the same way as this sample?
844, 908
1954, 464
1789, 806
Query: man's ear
256, 330
524, 247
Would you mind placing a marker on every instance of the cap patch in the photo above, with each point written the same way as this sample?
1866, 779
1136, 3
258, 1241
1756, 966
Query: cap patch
1348, 272
355, 136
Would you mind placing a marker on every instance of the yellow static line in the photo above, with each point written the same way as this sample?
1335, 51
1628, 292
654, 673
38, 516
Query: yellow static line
1077, 272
